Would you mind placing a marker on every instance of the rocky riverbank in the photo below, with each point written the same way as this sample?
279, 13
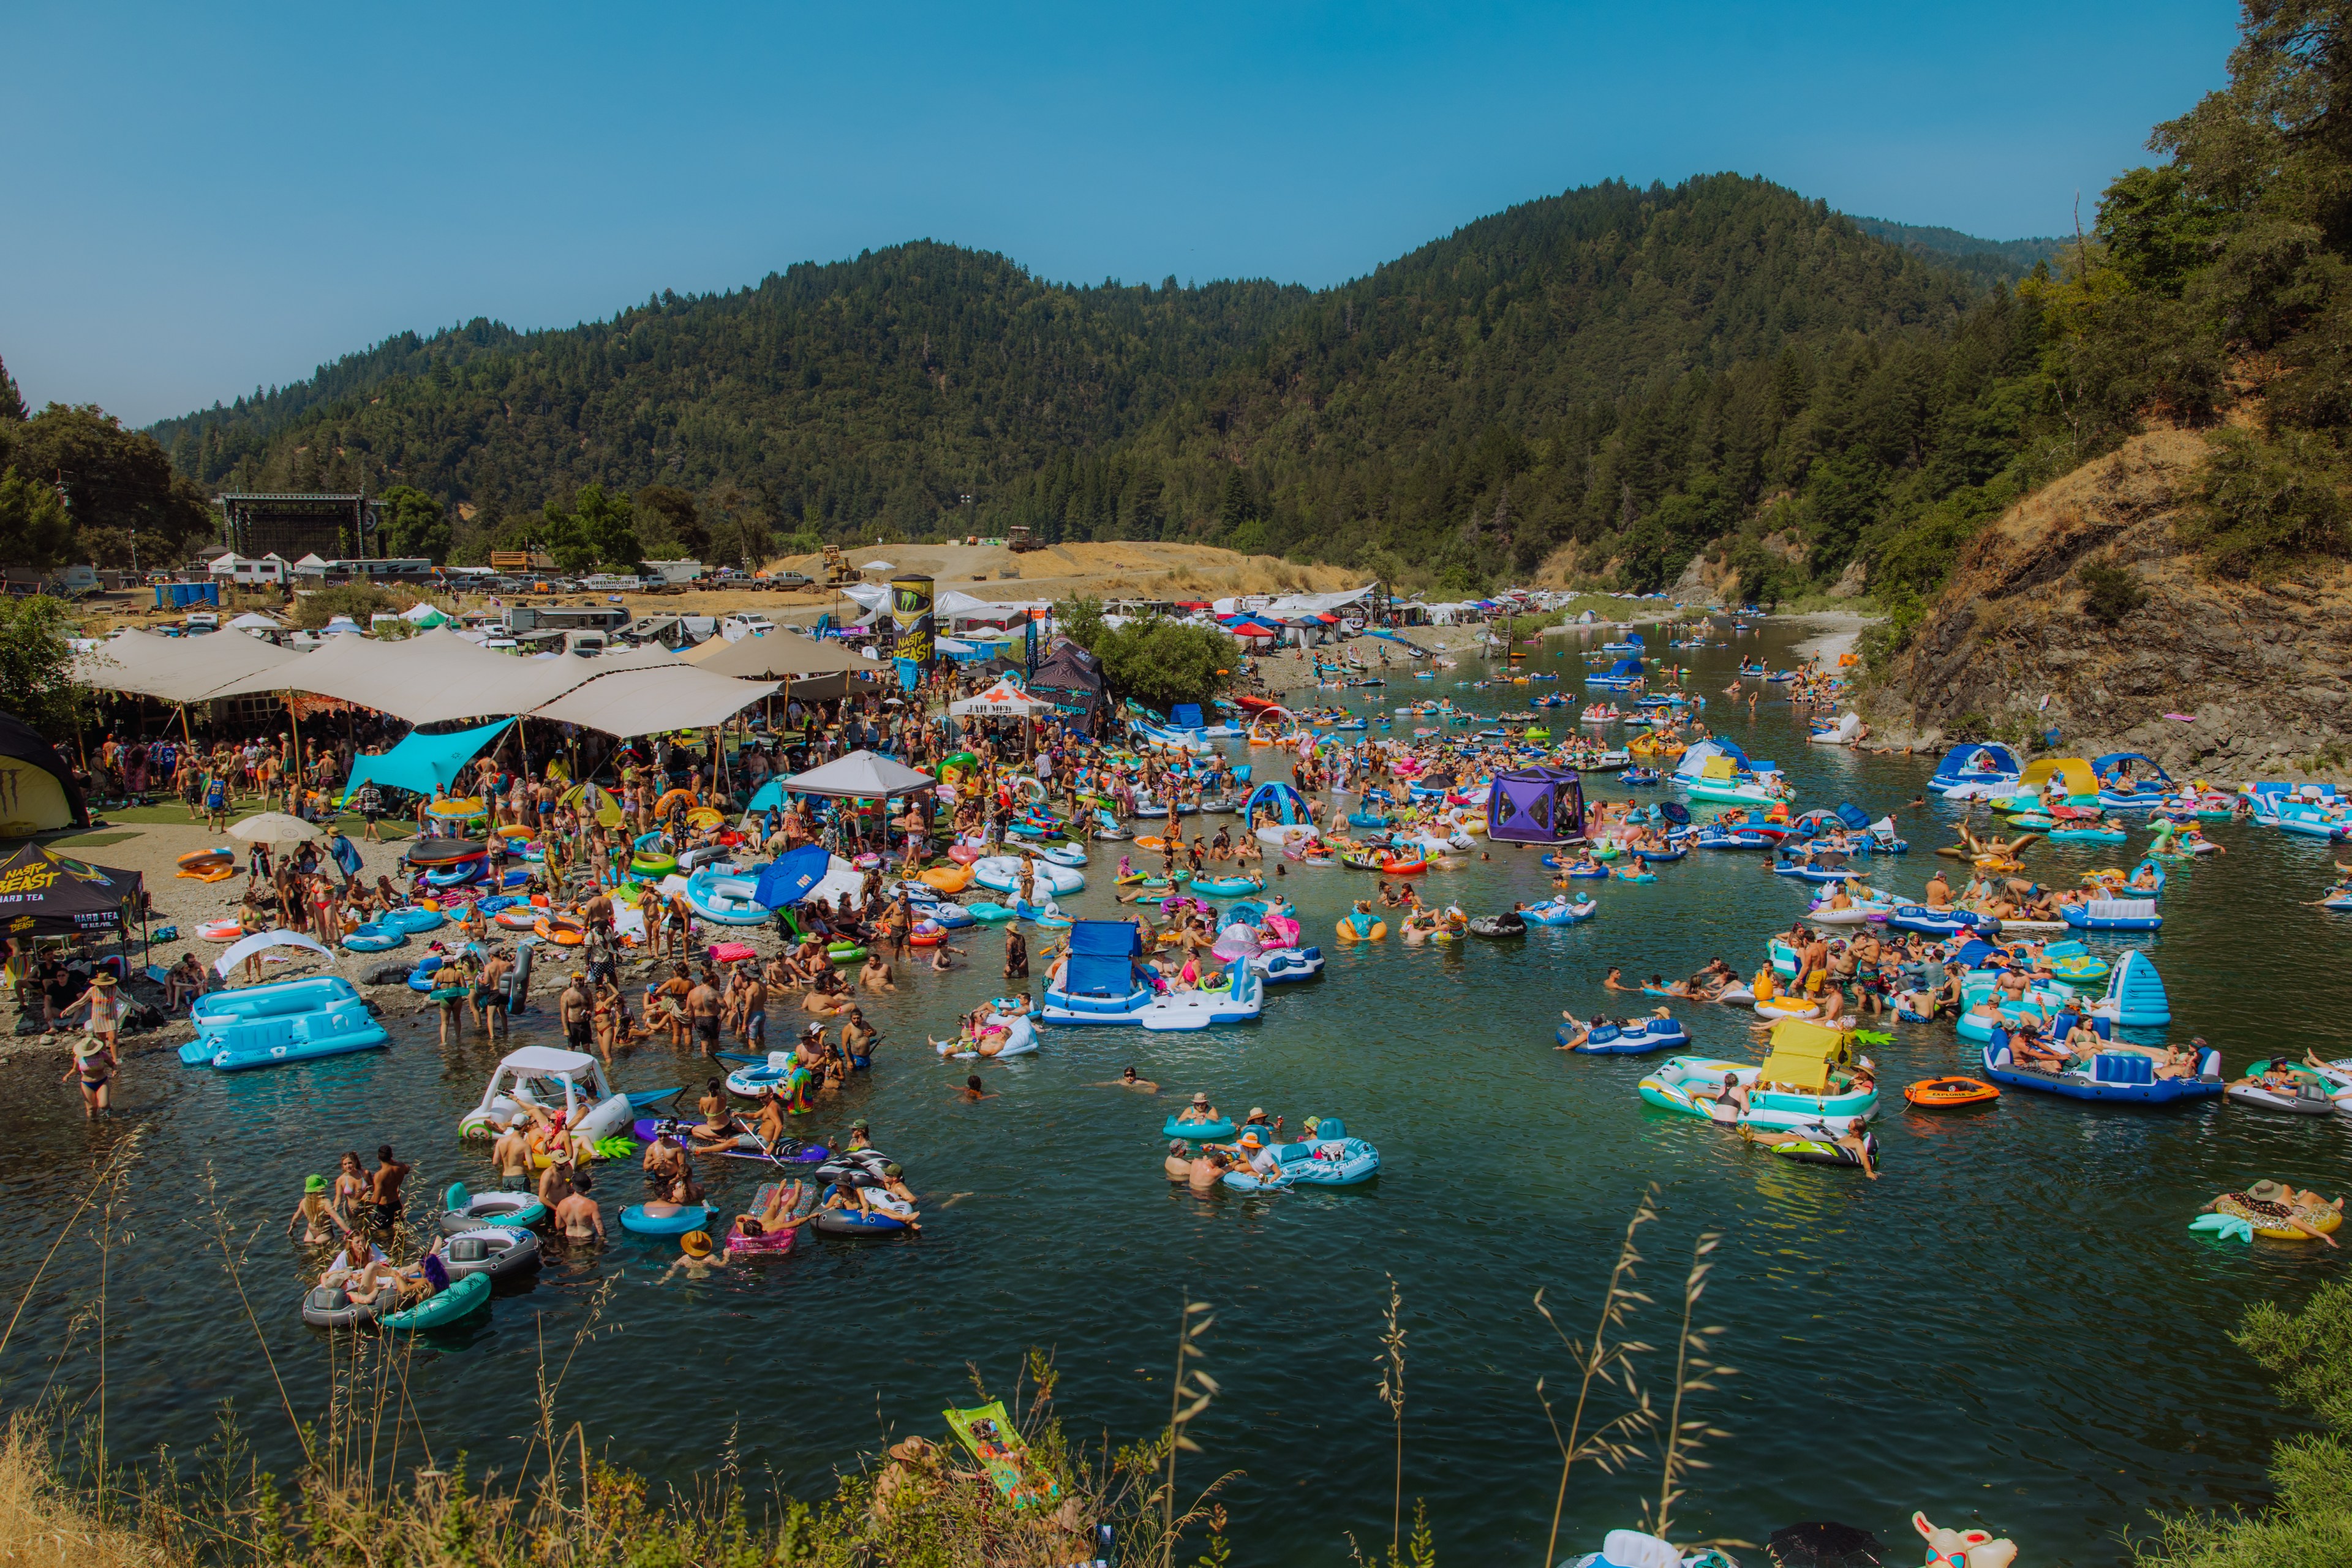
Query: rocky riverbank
2240, 679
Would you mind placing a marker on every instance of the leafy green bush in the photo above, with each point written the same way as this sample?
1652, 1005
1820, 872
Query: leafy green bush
2263, 507
2309, 1523
2109, 592
35, 661
1157, 662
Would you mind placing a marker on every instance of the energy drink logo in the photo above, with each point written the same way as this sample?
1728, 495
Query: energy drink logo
910, 607
23, 881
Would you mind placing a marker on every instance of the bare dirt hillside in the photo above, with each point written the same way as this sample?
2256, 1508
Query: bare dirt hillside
2258, 669
1121, 569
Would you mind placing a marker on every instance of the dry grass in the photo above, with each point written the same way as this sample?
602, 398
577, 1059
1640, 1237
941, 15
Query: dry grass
44, 1525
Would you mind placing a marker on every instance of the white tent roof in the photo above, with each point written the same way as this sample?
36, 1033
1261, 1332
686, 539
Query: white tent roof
255, 621
424, 613
877, 566
1002, 700
176, 669
435, 677
867, 596
863, 775
670, 696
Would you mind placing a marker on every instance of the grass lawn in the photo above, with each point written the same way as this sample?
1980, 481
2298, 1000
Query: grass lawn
390, 830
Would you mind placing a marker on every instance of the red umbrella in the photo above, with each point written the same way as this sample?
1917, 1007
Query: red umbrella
1252, 631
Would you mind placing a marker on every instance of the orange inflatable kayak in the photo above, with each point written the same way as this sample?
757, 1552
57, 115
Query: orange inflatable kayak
1932, 1093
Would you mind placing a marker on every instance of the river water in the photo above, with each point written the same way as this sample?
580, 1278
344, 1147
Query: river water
2013, 1327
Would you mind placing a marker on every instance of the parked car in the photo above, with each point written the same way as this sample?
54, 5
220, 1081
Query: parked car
791, 580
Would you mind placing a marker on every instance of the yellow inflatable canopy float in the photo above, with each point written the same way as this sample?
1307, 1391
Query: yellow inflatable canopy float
2074, 771
1802, 1053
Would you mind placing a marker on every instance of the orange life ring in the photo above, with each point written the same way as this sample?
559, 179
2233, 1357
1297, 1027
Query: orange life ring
661, 807
1403, 868
1932, 1092
202, 859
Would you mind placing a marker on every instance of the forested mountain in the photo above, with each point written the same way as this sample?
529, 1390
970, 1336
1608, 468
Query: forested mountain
1994, 260
865, 392
1531, 378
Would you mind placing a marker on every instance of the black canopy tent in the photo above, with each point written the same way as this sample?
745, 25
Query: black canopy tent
42, 893
1071, 680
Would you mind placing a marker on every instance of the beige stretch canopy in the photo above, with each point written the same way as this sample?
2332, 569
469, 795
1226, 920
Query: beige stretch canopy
436, 678
176, 669
641, 701
779, 654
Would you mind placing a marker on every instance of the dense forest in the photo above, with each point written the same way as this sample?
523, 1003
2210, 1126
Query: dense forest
1438, 409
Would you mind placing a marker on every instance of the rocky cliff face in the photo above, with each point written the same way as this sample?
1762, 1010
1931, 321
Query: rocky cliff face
2260, 671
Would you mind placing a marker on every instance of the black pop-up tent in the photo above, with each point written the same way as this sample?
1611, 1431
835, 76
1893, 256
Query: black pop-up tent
38, 793
42, 893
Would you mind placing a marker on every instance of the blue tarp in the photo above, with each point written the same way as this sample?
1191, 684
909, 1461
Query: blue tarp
786, 880
1624, 666
767, 794
424, 764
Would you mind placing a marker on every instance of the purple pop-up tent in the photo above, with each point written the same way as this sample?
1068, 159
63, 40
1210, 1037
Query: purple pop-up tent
1535, 805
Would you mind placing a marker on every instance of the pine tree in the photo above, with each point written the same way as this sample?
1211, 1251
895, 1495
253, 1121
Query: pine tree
12, 402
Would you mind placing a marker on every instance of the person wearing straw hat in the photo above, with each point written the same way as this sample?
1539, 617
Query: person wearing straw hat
696, 1257
1199, 1110
104, 1001
92, 1064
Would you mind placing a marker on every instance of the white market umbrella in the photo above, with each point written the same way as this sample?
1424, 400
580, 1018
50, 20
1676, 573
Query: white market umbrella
877, 566
245, 947
272, 827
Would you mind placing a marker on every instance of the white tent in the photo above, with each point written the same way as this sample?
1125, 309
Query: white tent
860, 775
640, 702
422, 614
877, 566
175, 670
1002, 700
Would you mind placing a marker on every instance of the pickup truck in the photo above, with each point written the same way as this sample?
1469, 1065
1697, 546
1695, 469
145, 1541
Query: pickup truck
791, 580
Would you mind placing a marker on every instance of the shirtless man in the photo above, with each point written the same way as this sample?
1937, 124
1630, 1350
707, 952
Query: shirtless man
1178, 1162
490, 997
665, 1163
511, 1155
577, 1010
751, 1002
383, 1188
875, 974
578, 1217
702, 1013
1207, 1169
1127, 1080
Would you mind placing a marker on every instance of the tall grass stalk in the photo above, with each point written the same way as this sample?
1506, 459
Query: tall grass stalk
1692, 1370
1606, 1360
1199, 1388
1390, 1362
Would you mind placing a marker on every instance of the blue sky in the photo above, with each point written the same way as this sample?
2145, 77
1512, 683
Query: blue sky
207, 199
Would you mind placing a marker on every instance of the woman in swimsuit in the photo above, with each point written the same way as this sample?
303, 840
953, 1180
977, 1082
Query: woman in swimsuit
314, 1212
89, 1065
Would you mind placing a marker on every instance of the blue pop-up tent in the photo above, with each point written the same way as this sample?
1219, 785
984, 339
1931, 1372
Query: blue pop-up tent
424, 764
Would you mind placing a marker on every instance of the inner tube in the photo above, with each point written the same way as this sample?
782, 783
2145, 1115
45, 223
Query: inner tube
499, 1251
444, 851
464, 1297
327, 1307
652, 863
1505, 924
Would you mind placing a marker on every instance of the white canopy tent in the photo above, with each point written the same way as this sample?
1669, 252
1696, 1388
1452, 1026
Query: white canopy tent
667, 697
176, 669
860, 775
1002, 700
